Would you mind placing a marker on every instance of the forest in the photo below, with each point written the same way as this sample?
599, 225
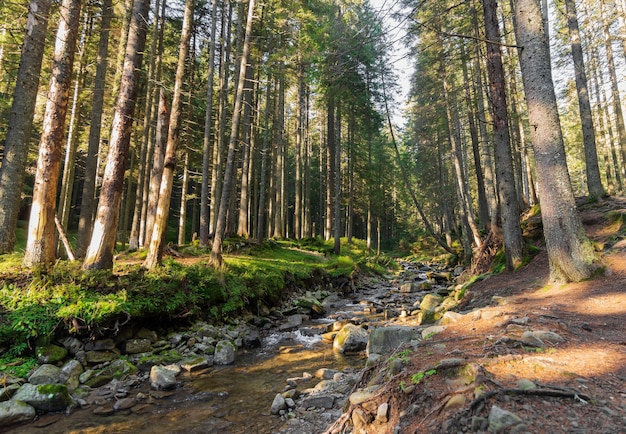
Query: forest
129, 125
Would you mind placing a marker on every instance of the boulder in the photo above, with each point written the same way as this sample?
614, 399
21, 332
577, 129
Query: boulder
350, 339
224, 353
195, 363
51, 354
318, 401
252, 339
137, 346
501, 420
46, 374
278, 404
96, 357
45, 397
15, 412
450, 318
163, 377
385, 340
100, 345
70, 373
428, 308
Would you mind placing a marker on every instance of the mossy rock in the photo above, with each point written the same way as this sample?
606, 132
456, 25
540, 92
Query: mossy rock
51, 354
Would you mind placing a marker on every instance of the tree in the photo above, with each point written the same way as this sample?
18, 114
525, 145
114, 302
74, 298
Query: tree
21, 121
155, 250
229, 172
40, 247
594, 183
509, 209
100, 251
570, 253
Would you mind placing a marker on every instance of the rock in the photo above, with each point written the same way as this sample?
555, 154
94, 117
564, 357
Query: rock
350, 339
325, 374
96, 357
51, 354
136, 346
450, 318
45, 397
194, 363
71, 372
428, 308
290, 403
104, 410
7, 392
431, 331
530, 339
360, 396
15, 412
406, 288
224, 353
310, 303
499, 300
385, 340
278, 404
525, 384
124, 404
252, 339
382, 413
145, 333
163, 377
501, 420
318, 401
100, 345
293, 322
94, 379
46, 374
456, 401
548, 336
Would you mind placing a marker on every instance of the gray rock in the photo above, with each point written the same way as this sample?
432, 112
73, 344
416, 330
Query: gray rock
525, 384
224, 353
530, 339
382, 412
163, 377
318, 401
124, 404
71, 372
351, 339
548, 336
450, 318
194, 363
46, 374
15, 412
325, 373
252, 339
385, 340
136, 346
293, 322
100, 345
45, 397
429, 332
96, 357
278, 404
145, 333
501, 420
51, 354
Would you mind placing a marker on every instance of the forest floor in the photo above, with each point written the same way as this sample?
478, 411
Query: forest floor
481, 361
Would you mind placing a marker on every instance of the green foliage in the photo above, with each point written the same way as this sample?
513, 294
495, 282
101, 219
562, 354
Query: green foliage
418, 377
402, 355
12, 364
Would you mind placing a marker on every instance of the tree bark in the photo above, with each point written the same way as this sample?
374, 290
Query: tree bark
41, 242
100, 251
570, 253
594, 183
155, 250
20, 122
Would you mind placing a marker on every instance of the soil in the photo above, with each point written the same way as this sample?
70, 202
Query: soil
579, 383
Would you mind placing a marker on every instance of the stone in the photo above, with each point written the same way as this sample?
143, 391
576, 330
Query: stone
224, 353
100, 345
71, 372
428, 308
385, 340
51, 354
104, 410
145, 333
310, 303
450, 317
252, 339
137, 346
278, 404
455, 401
360, 396
46, 374
196, 363
501, 420
96, 357
325, 373
431, 331
499, 300
530, 339
293, 323
351, 339
548, 336
15, 411
163, 377
318, 401
382, 413
124, 404
290, 403
525, 384
45, 397
406, 288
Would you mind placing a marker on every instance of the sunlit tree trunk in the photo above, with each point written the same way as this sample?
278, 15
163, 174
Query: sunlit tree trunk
594, 183
569, 251
229, 175
100, 252
41, 240
260, 225
20, 122
246, 144
88, 201
182, 218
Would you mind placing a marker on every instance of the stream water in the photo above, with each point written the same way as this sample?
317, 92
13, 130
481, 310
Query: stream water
234, 399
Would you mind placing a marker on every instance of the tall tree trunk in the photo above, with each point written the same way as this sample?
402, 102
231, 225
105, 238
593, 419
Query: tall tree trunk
40, 244
100, 252
182, 226
88, 200
155, 250
330, 173
300, 126
246, 144
260, 224
594, 183
337, 178
570, 253
220, 227
505, 180
20, 121
206, 142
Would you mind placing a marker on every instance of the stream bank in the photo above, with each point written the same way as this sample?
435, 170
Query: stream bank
273, 375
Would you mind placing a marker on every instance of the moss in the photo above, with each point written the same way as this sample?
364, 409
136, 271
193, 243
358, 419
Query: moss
54, 389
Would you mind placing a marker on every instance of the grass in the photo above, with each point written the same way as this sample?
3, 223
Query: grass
36, 305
